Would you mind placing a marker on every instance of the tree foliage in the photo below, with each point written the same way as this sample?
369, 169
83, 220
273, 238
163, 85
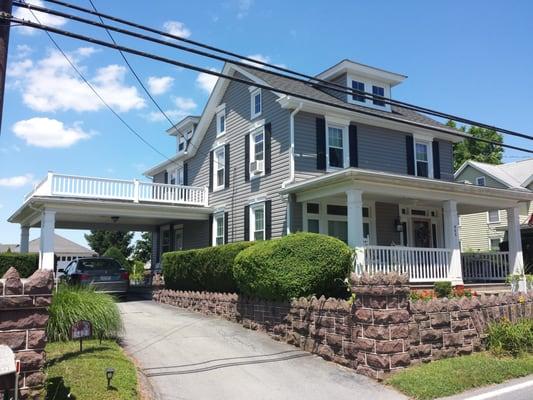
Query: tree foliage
100, 241
476, 150
143, 248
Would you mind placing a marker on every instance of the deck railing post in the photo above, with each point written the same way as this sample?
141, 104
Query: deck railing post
135, 191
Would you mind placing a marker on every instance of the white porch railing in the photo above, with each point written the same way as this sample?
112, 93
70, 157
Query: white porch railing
489, 266
117, 189
421, 264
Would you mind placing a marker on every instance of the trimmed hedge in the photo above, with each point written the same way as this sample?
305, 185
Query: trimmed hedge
209, 268
26, 264
296, 265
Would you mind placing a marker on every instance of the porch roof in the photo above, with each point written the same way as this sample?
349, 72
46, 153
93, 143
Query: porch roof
470, 198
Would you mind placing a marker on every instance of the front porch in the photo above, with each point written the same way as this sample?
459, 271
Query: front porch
407, 224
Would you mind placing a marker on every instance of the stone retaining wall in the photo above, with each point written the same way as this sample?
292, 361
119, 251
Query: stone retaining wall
382, 330
23, 310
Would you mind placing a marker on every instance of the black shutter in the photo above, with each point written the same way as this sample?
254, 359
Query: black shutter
268, 148
354, 161
211, 171
226, 227
166, 177
410, 154
185, 174
268, 219
436, 160
246, 223
211, 242
226, 166
321, 143
247, 157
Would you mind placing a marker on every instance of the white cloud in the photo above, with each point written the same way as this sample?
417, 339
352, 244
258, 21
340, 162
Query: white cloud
48, 133
207, 81
244, 7
51, 84
16, 181
159, 85
185, 104
177, 28
184, 107
43, 18
22, 51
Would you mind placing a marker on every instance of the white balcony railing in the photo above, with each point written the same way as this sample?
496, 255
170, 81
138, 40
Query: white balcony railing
421, 264
489, 266
116, 189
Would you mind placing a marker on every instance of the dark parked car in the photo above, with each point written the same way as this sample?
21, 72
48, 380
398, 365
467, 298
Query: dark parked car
104, 274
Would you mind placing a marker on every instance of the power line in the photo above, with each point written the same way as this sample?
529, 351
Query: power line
329, 85
447, 131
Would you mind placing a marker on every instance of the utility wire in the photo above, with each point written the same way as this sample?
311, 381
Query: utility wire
445, 130
328, 84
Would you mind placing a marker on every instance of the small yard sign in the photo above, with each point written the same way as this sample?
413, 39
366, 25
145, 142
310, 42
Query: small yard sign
80, 330
7, 360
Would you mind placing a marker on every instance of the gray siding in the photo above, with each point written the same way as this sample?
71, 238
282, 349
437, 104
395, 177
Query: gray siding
160, 177
386, 214
195, 234
237, 196
446, 160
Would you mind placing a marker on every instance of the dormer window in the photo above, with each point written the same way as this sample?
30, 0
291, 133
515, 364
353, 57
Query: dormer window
359, 86
378, 91
256, 103
221, 120
181, 143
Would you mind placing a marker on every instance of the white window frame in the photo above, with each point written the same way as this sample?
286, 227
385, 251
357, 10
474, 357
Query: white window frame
479, 179
253, 93
252, 151
252, 231
363, 101
380, 86
216, 217
221, 112
216, 168
176, 176
343, 125
428, 144
494, 222
368, 85
490, 242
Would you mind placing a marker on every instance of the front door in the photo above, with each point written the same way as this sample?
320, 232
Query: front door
178, 238
422, 232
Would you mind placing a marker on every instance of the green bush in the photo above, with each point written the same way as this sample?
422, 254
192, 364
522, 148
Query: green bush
209, 268
26, 264
296, 265
72, 304
443, 289
507, 338
116, 254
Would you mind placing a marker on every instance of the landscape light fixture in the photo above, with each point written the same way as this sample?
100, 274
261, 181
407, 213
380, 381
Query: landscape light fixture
109, 372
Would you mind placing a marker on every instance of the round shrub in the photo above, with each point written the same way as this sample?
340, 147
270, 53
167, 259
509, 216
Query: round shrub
25, 264
296, 265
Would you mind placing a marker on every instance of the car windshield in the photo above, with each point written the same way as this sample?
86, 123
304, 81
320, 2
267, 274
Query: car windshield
98, 264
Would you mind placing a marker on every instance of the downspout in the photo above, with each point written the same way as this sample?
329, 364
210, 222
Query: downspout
291, 162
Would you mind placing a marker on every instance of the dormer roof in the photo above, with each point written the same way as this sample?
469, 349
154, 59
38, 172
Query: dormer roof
185, 124
355, 68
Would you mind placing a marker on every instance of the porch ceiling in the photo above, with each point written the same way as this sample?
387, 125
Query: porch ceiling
74, 213
407, 190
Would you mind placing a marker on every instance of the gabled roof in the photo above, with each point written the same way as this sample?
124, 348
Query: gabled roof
61, 246
516, 174
188, 120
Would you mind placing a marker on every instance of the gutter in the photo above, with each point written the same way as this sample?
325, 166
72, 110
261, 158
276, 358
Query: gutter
291, 150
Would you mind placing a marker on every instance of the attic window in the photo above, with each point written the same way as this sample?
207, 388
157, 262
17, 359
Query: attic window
378, 91
480, 181
360, 86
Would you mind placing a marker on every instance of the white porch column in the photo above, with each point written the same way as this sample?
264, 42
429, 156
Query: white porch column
354, 201
516, 260
24, 238
451, 239
46, 251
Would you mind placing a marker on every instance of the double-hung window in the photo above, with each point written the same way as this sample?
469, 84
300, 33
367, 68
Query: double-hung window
422, 159
378, 91
221, 121
359, 86
257, 221
336, 146
219, 168
218, 229
493, 216
176, 177
256, 103
257, 152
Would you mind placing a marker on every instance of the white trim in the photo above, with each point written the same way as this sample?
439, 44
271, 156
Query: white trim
252, 231
214, 228
478, 178
494, 222
429, 160
345, 143
257, 199
436, 219
259, 131
368, 89
217, 187
253, 94
256, 125
355, 68
221, 114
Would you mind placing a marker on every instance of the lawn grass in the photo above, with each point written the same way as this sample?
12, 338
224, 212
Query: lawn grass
455, 375
83, 374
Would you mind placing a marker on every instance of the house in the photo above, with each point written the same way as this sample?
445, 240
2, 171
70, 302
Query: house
259, 164
64, 250
486, 231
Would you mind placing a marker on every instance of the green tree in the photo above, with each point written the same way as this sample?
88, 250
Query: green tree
143, 248
115, 253
477, 150
100, 241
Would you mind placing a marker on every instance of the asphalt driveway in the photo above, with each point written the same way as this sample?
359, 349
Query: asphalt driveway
189, 356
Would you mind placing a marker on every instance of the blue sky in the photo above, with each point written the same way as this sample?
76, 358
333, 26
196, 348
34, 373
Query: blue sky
472, 59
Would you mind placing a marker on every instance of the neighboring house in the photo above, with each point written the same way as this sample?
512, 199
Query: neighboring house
258, 164
65, 250
487, 230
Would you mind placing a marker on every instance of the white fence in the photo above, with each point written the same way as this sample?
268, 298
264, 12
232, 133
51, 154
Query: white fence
117, 189
421, 264
489, 266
